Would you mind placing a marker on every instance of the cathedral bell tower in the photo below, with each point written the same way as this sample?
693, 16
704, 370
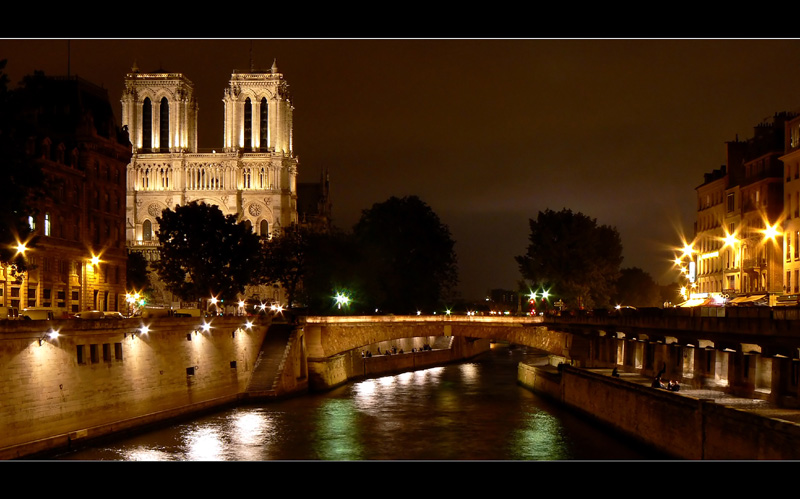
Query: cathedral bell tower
160, 112
258, 112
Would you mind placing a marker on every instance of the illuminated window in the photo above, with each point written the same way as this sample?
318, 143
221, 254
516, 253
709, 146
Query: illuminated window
797, 245
47, 224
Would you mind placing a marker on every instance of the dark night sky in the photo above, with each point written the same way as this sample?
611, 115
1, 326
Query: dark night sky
488, 132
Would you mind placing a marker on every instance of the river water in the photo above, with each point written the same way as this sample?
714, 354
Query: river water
469, 411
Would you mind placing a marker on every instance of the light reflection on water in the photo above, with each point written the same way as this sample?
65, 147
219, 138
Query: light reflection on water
468, 411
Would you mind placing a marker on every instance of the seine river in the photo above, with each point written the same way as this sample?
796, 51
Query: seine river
469, 411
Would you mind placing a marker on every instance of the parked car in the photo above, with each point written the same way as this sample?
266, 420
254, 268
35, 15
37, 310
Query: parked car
38, 314
189, 312
89, 314
113, 315
11, 313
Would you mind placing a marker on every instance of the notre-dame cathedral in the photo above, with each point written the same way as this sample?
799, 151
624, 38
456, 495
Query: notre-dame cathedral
252, 177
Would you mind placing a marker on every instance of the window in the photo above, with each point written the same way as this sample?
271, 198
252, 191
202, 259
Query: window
190, 371
164, 125
81, 354
47, 224
248, 124
147, 124
264, 136
106, 352
264, 228
118, 351
731, 202
93, 353
147, 231
796, 244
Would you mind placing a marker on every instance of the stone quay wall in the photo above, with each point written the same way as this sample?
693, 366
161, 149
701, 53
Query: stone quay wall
327, 373
105, 376
678, 425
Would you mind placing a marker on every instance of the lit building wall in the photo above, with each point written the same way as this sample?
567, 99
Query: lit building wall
791, 214
710, 234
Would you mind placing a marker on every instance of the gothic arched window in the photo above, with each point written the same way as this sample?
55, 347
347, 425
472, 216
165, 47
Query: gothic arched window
264, 230
164, 125
147, 124
147, 231
248, 124
264, 125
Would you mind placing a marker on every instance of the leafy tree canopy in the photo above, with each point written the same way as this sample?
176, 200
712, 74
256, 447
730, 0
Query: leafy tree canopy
205, 253
637, 288
137, 275
574, 257
22, 177
409, 261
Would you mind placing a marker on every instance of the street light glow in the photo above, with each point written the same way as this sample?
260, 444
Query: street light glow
342, 299
771, 232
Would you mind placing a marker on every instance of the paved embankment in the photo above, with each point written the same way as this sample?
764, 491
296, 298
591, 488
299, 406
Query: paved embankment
688, 424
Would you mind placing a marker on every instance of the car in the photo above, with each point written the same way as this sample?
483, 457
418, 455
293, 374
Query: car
89, 314
113, 315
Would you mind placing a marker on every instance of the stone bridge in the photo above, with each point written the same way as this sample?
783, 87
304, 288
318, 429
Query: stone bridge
333, 345
329, 336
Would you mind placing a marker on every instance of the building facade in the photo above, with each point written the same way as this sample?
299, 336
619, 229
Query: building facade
253, 177
739, 244
78, 261
791, 219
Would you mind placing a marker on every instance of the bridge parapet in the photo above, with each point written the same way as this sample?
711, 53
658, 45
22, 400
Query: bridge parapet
327, 336
776, 330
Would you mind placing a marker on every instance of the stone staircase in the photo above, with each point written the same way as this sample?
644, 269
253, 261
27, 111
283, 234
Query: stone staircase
270, 359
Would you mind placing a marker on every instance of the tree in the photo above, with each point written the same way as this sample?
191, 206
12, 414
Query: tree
205, 253
137, 273
408, 256
22, 176
637, 288
574, 257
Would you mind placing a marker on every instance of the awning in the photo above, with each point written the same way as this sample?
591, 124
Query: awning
694, 302
747, 299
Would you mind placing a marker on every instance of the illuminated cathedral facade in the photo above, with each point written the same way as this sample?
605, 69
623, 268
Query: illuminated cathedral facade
254, 176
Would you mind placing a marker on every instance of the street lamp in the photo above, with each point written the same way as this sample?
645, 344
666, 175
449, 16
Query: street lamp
341, 299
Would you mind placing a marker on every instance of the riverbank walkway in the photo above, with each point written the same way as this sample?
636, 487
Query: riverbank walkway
760, 407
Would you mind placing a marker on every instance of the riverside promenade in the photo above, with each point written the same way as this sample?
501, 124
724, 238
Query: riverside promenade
760, 407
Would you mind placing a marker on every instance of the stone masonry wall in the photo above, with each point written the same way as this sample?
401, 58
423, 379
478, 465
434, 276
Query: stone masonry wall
678, 425
99, 376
